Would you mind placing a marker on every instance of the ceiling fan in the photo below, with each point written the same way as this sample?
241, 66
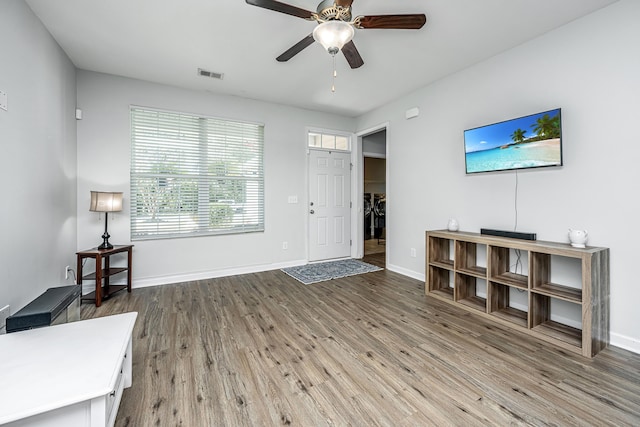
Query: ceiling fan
335, 28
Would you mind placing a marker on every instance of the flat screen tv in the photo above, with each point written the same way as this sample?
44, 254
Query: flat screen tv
526, 142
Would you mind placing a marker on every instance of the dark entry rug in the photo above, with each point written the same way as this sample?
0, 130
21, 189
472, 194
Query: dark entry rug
322, 271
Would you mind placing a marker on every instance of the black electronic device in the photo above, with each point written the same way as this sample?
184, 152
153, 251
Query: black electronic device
56, 305
511, 234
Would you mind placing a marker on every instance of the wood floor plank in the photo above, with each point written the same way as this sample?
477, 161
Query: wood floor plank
263, 349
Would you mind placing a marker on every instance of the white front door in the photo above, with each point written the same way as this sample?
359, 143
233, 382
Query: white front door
329, 207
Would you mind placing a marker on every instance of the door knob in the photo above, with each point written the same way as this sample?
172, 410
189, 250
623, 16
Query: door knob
312, 211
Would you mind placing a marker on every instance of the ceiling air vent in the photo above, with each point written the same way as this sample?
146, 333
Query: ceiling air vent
211, 74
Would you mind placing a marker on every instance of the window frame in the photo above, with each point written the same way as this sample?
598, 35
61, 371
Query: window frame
202, 172
325, 132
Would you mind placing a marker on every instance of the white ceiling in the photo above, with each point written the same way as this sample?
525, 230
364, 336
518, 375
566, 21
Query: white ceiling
165, 41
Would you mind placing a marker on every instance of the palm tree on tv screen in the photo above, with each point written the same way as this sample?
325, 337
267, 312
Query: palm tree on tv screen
547, 127
518, 135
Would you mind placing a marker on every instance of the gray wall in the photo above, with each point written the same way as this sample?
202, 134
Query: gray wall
104, 135
590, 69
38, 160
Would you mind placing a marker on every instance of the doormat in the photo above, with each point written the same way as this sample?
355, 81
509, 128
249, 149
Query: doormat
320, 272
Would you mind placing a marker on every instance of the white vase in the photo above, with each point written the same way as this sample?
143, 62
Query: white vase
578, 238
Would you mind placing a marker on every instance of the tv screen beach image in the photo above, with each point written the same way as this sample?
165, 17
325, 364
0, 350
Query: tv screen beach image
526, 142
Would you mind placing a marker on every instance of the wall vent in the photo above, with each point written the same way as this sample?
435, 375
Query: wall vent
211, 74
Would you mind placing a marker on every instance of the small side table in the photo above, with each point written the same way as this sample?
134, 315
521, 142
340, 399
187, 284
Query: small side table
103, 291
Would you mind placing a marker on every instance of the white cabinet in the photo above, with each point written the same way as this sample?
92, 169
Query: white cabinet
66, 375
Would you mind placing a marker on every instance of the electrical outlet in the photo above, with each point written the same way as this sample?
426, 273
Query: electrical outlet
285, 245
4, 313
413, 252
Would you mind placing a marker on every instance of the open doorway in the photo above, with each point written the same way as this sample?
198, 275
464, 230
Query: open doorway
374, 148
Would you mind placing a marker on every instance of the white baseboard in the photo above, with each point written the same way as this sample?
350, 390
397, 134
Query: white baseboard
212, 274
406, 272
624, 342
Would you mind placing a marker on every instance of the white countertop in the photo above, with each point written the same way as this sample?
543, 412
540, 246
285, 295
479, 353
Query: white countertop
52, 367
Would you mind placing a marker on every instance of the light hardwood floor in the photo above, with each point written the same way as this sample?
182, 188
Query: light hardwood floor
264, 349
374, 246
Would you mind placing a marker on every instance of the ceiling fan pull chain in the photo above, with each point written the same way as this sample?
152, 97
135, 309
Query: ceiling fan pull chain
333, 85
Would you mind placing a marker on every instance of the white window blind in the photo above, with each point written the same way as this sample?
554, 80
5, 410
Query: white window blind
194, 175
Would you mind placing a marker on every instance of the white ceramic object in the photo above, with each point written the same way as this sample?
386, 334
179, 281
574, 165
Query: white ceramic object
453, 225
578, 238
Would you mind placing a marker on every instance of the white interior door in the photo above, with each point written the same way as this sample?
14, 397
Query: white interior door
329, 207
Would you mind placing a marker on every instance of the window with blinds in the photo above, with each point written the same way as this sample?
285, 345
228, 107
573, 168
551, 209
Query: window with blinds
194, 175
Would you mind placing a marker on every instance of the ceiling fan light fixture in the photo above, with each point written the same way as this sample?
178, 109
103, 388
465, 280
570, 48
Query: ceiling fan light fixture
333, 35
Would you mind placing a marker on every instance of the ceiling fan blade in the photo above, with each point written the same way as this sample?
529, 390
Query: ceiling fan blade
282, 7
343, 3
408, 22
353, 56
296, 49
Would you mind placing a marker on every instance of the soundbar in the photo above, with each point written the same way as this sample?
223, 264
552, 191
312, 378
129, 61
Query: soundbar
512, 234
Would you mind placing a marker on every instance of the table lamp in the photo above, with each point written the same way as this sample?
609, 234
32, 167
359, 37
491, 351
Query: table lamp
102, 201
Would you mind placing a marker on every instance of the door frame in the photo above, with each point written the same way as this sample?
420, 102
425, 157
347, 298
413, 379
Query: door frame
357, 250
353, 142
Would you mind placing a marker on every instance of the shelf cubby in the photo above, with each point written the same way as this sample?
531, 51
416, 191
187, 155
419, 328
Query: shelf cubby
467, 292
501, 306
439, 253
466, 255
541, 281
542, 323
440, 283
500, 261
551, 290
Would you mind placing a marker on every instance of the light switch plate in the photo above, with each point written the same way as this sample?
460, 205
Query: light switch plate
3, 100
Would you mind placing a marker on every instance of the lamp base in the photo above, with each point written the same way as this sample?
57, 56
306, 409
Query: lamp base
105, 242
105, 246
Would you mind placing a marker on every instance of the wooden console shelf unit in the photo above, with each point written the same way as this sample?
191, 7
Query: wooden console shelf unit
453, 274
